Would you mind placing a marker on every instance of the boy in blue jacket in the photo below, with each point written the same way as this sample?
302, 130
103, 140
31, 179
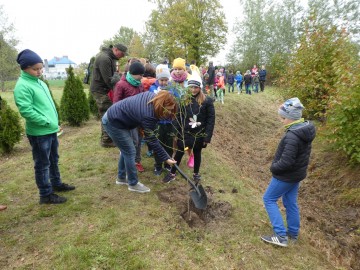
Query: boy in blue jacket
239, 81
288, 168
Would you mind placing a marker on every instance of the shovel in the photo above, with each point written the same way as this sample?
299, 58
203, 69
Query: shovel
197, 193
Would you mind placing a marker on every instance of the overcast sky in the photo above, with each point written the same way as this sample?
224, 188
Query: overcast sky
77, 28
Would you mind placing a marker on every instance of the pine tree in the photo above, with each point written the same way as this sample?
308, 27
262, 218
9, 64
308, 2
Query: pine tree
10, 127
74, 107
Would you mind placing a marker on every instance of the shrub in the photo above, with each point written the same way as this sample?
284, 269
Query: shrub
343, 125
74, 107
325, 74
10, 127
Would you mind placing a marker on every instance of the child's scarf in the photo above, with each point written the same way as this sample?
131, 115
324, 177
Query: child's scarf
180, 78
131, 80
301, 120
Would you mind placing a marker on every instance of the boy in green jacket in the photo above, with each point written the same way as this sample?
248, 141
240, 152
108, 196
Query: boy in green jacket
33, 99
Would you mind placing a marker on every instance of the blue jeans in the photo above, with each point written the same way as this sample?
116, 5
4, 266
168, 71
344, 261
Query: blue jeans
289, 193
256, 87
123, 140
248, 88
231, 87
137, 142
239, 87
46, 158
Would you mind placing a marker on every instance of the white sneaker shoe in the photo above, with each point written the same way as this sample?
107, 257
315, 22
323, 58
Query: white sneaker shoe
121, 181
139, 187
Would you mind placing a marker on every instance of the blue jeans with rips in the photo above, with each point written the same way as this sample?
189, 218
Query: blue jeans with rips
289, 193
123, 140
46, 159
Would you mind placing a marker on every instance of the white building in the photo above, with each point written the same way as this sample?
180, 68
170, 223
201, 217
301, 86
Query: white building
56, 67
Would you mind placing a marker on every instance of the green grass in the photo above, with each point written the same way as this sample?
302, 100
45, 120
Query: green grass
104, 226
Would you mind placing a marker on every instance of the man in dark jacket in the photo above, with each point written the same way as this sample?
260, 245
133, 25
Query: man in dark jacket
262, 78
211, 80
103, 70
288, 169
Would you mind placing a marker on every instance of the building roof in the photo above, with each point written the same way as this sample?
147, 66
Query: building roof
60, 60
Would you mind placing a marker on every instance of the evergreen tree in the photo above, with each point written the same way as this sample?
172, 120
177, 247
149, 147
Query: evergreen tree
10, 127
74, 106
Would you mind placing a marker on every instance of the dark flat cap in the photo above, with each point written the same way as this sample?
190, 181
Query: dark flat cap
122, 48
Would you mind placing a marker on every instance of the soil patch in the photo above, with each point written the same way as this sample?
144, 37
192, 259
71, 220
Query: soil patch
194, 217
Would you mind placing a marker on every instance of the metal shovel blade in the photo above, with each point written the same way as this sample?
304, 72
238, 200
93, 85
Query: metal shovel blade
199, 197
197, 192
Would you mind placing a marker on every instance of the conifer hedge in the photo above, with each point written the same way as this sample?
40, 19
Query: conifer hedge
74, 107
10, 127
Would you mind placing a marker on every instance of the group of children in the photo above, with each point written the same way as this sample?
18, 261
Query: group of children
193, 126
251, 81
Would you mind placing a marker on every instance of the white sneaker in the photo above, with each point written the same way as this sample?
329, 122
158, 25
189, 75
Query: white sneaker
139, 187
222, 102
121, 181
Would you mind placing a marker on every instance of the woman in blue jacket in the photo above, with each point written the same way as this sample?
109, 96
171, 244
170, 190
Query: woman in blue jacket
142, 110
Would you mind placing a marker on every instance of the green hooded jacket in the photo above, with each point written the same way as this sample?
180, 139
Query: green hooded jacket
33, 99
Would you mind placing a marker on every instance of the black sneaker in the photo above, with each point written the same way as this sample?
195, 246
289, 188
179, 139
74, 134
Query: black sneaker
276, 240
169, 177
63, 187
196, 177
167, 167
158, 171
52, 199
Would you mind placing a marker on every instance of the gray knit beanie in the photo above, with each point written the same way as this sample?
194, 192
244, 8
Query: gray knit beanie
291, 109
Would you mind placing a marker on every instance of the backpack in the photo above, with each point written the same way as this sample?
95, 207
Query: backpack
88, 71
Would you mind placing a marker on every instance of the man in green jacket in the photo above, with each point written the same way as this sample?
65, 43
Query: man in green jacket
103, 71
33, 99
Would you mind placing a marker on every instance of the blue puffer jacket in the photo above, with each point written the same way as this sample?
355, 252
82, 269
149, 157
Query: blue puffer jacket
293, 153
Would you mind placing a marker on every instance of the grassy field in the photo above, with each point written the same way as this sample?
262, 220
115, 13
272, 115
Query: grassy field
104, 226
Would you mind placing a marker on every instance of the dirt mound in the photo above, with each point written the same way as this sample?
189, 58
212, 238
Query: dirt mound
194, 217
